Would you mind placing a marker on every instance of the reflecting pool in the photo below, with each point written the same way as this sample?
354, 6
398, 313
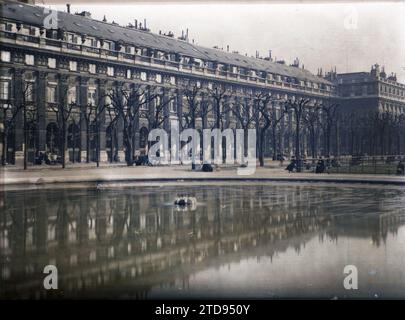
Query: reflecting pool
241, 240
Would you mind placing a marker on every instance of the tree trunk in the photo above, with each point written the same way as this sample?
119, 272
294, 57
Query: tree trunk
274, 138
5, 138
297, 143
261, 147
87, 142
25, 138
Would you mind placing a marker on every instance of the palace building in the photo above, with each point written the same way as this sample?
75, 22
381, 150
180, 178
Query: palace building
369, 91
53, 58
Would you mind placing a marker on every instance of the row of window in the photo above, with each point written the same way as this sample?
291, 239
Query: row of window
30, 60
128, 49
392, 90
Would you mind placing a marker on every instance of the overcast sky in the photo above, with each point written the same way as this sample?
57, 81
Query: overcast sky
351, 37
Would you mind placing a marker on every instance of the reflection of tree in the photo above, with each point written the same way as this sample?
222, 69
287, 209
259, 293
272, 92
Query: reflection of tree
232, 223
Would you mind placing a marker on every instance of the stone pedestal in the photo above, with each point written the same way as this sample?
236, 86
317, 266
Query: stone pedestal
66, 156
121, 156
103, 156
19, 158
83, 156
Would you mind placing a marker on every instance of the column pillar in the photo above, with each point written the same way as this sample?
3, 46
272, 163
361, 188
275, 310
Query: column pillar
101, 120
19, 122
120, 126
62, 106
83, 103
41, 110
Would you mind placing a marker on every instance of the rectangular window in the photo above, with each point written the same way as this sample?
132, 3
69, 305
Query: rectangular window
71, 98
32, 31
173, 80
91, 96
29, 59
142, 101
158, 78
5, 56
71, 38
52, 63
143, 76
4, 90
29, 91
93, 43
173, 106
129, 74
51, 34
8, 27
110, 71
73, 65
51, 94
92, 68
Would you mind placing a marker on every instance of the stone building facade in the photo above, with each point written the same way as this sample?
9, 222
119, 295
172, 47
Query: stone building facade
369, 91
74, 59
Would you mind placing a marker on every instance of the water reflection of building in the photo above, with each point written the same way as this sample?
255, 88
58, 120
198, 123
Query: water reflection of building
104, 241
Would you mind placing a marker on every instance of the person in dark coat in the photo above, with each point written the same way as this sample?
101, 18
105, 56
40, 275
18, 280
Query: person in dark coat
320, 167
292, 165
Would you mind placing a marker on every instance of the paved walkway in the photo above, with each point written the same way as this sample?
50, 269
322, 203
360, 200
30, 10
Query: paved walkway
121, 173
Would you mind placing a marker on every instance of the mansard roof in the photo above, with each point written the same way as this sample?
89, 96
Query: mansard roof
35, 15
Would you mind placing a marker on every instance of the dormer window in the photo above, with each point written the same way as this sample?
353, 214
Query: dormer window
109, 45
128, 49
51, 34
8, 27
93, 42
71, 38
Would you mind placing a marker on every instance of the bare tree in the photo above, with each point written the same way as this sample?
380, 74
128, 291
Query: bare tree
276, 116
297, 107
193, 97
11, 110
63, 112
112, 127
262, 113
127, 103
329, 118
217, 93
311, 121
156, 116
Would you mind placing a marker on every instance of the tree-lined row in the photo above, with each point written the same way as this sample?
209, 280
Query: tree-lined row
317, 128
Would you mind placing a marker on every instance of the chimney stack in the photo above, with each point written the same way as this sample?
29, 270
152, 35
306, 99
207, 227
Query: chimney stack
68, 7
